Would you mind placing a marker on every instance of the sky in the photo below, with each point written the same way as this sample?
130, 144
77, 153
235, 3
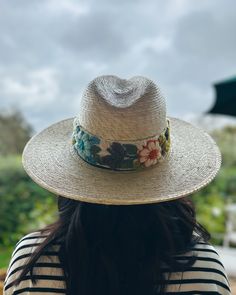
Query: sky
51, 49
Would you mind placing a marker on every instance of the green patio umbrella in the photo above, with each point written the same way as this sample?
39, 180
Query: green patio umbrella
225, 102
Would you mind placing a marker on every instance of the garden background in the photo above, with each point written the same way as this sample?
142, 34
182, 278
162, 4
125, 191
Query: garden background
51, 49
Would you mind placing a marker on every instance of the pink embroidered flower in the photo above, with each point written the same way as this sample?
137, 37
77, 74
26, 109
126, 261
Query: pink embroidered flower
149, 153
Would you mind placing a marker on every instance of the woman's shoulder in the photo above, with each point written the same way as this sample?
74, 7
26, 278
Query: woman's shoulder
23, 251
25, 247
30, 240
205, 249
207, 274
207, 255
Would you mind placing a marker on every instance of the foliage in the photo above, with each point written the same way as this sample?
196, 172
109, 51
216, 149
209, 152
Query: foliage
210, 202
24, 205
14, 132
5, 254
226, 139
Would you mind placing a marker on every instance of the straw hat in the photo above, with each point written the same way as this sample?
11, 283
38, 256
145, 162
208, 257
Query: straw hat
121, 148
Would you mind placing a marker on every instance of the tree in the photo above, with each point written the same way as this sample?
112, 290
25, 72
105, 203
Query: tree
14, 132
226, 139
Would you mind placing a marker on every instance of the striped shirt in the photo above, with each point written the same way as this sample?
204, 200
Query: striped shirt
206, 276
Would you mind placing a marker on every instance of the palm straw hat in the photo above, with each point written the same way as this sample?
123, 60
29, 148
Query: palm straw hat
121, 148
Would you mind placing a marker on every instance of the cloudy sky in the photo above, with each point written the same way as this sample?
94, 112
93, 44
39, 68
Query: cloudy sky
51, 49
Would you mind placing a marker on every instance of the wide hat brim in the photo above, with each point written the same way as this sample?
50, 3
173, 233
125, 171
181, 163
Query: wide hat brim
193, 162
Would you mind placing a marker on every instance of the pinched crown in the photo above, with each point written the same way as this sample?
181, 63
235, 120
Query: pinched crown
122, 124
120, 109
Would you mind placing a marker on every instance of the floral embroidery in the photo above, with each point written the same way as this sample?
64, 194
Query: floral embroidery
150, 153
118, 155
86, 144
164, 140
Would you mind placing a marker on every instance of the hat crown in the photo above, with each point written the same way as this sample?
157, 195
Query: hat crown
122, 109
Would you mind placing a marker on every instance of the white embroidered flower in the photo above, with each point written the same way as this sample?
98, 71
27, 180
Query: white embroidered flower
150, 153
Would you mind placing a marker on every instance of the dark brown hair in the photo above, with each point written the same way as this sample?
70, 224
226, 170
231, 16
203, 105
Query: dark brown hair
110, 249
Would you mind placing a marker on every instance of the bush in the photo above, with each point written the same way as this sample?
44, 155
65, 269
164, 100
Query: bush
24, 205
14, 132
210, 202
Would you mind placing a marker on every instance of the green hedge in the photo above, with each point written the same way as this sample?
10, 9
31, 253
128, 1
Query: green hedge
210, 202
24, 206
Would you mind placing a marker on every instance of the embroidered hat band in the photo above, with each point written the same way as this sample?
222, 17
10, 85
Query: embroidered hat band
121, 155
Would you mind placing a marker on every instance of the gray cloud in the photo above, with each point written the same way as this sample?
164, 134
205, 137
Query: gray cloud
51, 49
93, 37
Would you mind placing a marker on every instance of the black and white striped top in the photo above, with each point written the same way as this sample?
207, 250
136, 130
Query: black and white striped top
206, 276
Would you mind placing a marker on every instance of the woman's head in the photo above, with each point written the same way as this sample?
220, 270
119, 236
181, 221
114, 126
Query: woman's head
126, 244
121, 249
104, 224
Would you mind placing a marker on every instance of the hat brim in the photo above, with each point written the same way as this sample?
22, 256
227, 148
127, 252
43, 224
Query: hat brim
193, 162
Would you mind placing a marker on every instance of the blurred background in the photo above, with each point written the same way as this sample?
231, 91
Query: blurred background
51, 49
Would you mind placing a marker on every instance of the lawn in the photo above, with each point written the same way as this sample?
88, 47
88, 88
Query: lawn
5, 255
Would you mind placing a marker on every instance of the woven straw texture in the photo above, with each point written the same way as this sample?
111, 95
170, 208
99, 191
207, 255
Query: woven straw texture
120, 109
193, 162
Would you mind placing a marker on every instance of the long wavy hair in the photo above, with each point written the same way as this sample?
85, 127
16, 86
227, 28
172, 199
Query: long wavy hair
110, 249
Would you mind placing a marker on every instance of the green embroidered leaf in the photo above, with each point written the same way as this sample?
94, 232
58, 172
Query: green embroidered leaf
162, 139
95, 149
97, 158
126, 164
136, 164
117, 151
131, 149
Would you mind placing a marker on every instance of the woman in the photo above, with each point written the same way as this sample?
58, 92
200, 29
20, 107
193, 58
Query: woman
125, 225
